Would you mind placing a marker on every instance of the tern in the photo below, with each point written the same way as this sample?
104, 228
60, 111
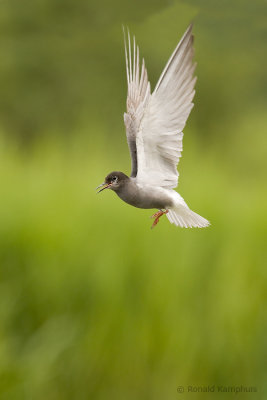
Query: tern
154, 128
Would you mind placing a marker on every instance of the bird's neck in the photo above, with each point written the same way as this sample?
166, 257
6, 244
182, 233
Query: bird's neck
128, 190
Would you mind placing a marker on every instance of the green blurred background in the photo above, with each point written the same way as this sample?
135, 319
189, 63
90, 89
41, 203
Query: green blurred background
93, 304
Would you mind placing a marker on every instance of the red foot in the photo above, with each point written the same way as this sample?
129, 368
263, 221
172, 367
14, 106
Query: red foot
157, 216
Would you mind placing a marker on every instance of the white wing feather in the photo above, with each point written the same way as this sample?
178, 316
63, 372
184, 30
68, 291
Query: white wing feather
137, 98
156, 121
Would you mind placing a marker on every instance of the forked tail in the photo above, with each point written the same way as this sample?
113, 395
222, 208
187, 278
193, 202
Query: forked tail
186, 218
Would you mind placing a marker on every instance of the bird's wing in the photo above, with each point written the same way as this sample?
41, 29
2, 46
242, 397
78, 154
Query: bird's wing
137, 98
159, 131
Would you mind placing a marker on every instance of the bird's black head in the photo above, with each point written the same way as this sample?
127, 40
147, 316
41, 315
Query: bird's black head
114, 181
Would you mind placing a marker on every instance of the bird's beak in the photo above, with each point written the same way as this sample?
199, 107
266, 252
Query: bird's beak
106, 185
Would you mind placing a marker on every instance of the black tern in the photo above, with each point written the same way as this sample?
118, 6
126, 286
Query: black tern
154, 123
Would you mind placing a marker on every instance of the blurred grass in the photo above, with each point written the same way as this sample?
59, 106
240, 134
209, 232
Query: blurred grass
93, 304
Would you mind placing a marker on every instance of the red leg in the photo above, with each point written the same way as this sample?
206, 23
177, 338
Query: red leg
157, 216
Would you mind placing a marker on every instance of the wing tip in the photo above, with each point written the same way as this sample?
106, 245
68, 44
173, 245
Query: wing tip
187, 37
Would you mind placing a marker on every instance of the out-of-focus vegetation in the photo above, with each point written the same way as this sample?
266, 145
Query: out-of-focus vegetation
93, 304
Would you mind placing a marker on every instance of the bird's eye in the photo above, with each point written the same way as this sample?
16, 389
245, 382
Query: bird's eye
114, 179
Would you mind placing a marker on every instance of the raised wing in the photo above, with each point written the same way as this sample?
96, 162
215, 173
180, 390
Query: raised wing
137, 98
159, 136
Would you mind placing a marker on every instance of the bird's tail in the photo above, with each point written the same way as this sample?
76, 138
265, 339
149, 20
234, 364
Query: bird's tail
186, 218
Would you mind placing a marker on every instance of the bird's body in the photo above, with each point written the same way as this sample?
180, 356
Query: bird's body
154, 124
145, 196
